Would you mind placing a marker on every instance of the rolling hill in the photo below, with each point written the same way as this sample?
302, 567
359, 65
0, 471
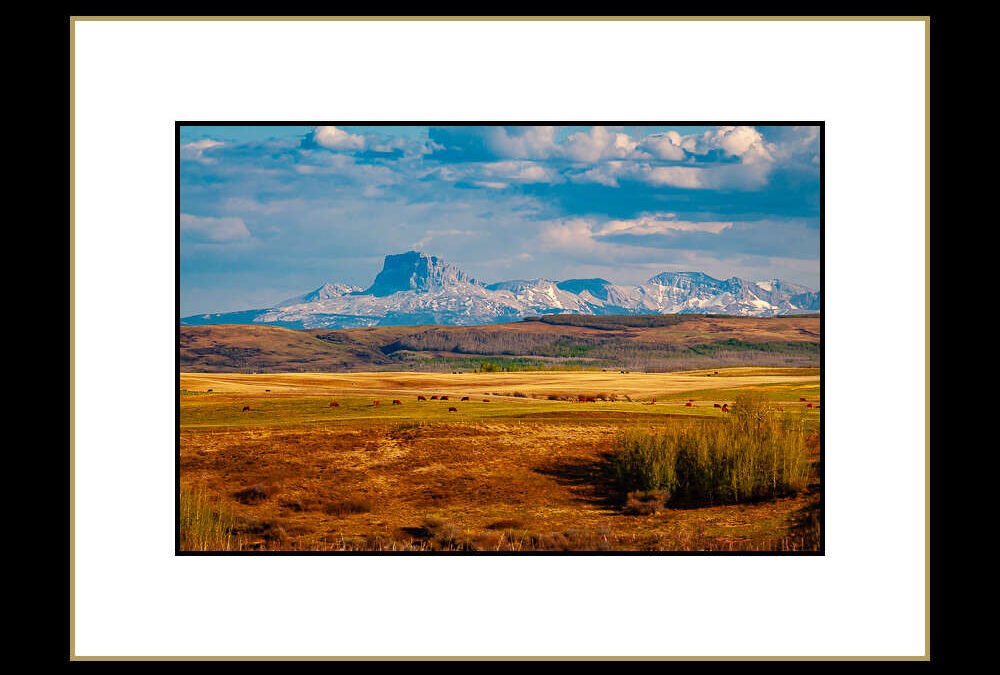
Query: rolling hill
650, 343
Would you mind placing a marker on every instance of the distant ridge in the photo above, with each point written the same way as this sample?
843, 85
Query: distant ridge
416, 288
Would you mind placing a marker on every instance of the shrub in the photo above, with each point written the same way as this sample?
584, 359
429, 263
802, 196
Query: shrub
645, 502
754, 453
254, 494
446, 536
346, 507
506, 524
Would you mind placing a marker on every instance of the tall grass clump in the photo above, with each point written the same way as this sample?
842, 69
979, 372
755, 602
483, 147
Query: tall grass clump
206, 525
754, 453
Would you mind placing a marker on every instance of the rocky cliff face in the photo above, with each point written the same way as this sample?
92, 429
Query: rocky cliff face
418, 272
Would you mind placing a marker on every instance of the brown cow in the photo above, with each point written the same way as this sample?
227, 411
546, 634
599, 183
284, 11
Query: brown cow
396, 401
809, 405
486, 400
267, 390
374, 404
452, 409
715, 372
688, 404
246, 408
210, 390
444, 398
725, 408
716, 405
434, 398
802, 400
334, 404
465, 398
421, 398
816, 407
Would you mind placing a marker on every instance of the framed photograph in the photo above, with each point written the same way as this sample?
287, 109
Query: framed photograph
499, 338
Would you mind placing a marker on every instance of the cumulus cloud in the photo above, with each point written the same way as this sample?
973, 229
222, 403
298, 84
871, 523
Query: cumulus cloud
530, 142
195, 151
212, 230
333, 138
598, 143
744, 142
665, 146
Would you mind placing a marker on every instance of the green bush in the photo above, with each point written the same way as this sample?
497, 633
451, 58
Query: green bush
754, 453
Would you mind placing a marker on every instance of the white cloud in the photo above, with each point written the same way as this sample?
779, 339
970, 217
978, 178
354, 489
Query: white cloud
520, 172
333, 138
597, 144
675, 176
659, 224
575, 234
536, 142
744, 142
211, 230
664, 146
195, 151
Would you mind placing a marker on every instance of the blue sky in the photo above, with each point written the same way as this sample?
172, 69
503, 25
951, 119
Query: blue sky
271, 212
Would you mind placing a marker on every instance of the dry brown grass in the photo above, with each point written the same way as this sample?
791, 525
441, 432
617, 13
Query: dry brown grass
510, 483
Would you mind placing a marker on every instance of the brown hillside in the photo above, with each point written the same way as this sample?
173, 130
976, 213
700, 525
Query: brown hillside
691, 342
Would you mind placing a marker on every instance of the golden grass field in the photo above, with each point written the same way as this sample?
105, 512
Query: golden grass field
519, 472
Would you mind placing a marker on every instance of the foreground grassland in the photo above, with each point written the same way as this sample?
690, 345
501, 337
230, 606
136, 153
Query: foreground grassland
521, 466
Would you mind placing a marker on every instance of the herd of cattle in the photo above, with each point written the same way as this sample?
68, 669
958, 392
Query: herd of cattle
690, 403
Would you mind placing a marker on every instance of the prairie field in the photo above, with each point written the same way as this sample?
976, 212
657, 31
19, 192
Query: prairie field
309, 462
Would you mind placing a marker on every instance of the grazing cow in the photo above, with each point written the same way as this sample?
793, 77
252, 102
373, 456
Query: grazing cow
434, 398
802, 399
486, 400
690, 400
268, 390
246, 408
452, 409
210, 390
421, 398
374, 404
809, 405
622, 372
715, 372
725, 408
334, 404
716, 405
816, 407
465, 398
396, 401
688, 404
444, 398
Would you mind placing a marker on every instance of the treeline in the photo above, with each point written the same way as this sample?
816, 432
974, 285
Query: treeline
488, 343
614, 322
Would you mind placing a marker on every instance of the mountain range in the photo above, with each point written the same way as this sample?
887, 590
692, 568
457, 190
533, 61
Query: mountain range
415, 288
